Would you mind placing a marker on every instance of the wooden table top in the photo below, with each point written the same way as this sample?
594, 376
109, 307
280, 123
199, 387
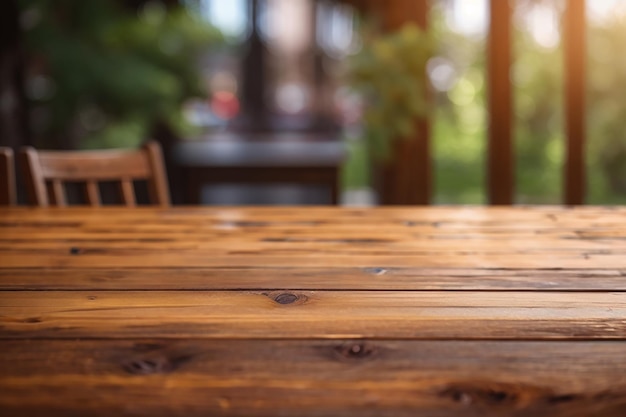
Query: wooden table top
318, 311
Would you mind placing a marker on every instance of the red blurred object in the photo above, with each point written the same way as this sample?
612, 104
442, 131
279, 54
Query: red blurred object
225, 105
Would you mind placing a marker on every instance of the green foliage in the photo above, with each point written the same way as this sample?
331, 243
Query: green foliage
113, 73
460, 125
607, 112
539, 137
389, 73
356, 169
459, 122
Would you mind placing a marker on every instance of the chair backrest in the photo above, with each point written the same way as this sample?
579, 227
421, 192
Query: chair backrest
7, 178
46, 172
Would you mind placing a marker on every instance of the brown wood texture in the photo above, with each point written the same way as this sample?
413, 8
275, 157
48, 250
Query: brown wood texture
90, 167
521, 238
7, 177
575, 89
340, 377
315, 314
500, 163
320, 311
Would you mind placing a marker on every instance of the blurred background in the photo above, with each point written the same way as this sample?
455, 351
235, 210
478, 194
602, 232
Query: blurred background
316, 101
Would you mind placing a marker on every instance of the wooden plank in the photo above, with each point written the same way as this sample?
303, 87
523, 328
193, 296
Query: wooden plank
128, 258
313, 314
459, 213
466, 238
393, 240
330, 232
392, 244
312, 378
268, 234
525, 215
419, 222
500, 166
312, 278
575, 90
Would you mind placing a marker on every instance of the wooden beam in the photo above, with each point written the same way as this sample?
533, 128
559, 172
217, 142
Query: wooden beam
408, 177
500, 166
574, 55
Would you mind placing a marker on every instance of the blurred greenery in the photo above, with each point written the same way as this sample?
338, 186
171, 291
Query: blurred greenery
101, 75
606, 112
460, 125
389, 74
538, 102
459, 122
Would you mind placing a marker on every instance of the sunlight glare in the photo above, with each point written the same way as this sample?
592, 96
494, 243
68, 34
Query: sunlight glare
603, 10
468, 17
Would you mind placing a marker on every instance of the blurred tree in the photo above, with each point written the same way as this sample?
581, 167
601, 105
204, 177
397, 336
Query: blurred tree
539, 137
607, 111
389, 72
104, 73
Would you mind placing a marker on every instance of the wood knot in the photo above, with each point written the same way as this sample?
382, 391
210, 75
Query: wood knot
487, 395
32, 320
146, 366
375, 271
153, 364
75, 251
355, 350
287, 298
563, 398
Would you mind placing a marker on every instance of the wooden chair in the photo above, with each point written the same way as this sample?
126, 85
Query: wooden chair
46, 172
7, 178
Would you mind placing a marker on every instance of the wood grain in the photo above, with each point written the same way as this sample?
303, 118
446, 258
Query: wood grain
242, 377
314, 314
276, 311
467, 238
311, 278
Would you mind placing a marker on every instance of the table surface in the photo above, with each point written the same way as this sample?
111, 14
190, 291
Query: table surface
317, 311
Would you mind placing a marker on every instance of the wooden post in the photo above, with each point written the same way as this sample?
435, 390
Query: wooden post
407, 179
500, 165
574, 55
